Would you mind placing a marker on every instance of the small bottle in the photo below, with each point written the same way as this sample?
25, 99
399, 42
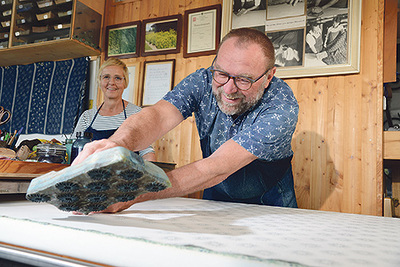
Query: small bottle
68, 146
79, 143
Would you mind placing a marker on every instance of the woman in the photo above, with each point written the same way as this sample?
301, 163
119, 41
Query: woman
336, 43
104, 121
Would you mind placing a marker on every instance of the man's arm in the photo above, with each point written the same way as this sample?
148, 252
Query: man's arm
198, 175
139, 130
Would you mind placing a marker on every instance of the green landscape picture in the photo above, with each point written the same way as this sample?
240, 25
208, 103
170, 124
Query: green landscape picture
122, 41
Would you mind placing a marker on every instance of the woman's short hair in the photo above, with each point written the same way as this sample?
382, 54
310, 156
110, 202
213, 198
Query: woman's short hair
114, 62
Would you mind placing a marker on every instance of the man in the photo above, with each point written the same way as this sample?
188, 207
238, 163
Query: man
245, 117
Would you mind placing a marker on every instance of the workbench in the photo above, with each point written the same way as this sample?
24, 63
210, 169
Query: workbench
195, 232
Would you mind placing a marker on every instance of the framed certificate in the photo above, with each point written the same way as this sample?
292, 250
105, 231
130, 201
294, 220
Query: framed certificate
158, 80
202, 31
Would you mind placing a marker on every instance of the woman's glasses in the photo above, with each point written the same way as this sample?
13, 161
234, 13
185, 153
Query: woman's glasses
107, 78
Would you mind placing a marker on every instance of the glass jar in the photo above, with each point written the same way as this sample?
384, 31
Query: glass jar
51, 153
79, 143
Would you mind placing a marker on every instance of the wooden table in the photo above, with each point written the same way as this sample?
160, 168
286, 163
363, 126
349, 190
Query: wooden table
15, 176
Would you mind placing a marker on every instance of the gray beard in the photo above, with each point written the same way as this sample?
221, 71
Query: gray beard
236, 109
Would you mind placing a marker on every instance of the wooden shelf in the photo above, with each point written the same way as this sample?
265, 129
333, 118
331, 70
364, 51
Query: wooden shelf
37, 39
45, 51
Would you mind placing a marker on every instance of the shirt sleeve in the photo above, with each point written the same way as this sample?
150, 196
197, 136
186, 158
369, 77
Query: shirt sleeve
187, 95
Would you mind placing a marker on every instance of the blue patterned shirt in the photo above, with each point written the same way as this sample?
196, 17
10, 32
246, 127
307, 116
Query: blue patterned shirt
265, 130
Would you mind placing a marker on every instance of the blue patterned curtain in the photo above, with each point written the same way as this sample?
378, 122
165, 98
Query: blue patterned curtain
43, 97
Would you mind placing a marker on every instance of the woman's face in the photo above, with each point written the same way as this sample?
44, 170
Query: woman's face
112, 82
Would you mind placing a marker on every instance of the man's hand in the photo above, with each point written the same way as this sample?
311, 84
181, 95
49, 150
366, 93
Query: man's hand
93, 147
117, 207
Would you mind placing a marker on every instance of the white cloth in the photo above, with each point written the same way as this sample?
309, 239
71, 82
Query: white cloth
207, 230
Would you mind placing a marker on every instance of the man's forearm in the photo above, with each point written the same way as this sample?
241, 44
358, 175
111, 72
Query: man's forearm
140, 130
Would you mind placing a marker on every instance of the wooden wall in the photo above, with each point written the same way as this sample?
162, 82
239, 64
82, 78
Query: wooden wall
338, 140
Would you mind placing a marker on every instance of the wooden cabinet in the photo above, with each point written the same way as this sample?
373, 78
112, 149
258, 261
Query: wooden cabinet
5, 22
46, 30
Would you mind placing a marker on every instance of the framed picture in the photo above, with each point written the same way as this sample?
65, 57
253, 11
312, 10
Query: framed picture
131, 91
158, 80
122, 40
161, 35
309, 39
202, 31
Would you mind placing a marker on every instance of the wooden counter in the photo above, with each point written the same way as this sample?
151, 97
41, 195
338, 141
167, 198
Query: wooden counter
15, 176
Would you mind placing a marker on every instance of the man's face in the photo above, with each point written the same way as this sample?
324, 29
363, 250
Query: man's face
247, 61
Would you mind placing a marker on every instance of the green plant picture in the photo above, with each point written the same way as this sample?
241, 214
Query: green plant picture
161, 35
122, 41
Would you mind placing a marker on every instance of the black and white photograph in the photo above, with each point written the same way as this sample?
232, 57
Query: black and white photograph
285, 8
311, 37
288, 47
326, 41
327, 33
248, 13
326, 8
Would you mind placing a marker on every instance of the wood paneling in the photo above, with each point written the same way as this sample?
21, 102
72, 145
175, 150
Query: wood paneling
338, 140
390, 44
391, 145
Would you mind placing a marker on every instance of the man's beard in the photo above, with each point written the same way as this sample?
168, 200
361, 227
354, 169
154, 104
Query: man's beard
235, 109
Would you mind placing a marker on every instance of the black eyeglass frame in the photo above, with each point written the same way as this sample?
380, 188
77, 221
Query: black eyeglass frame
233, 77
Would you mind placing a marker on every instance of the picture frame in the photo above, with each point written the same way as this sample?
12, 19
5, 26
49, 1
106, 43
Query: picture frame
202, 31
131, 92
123, 40
160, 36
158, 79
292, 30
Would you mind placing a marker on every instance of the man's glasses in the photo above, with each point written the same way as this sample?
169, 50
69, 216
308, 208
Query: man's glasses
107, 78
241, 82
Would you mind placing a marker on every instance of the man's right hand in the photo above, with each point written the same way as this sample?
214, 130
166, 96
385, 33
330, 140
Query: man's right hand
93, 147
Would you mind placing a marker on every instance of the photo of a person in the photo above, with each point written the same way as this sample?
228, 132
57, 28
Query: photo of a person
314, 40
285, 8
241, 7
248, 13
317, 7
335, 43
286, 56
288, 47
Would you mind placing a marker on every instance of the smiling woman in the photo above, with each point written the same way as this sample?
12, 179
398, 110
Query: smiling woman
104, 120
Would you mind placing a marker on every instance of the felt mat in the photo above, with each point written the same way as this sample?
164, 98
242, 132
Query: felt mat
234, 233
